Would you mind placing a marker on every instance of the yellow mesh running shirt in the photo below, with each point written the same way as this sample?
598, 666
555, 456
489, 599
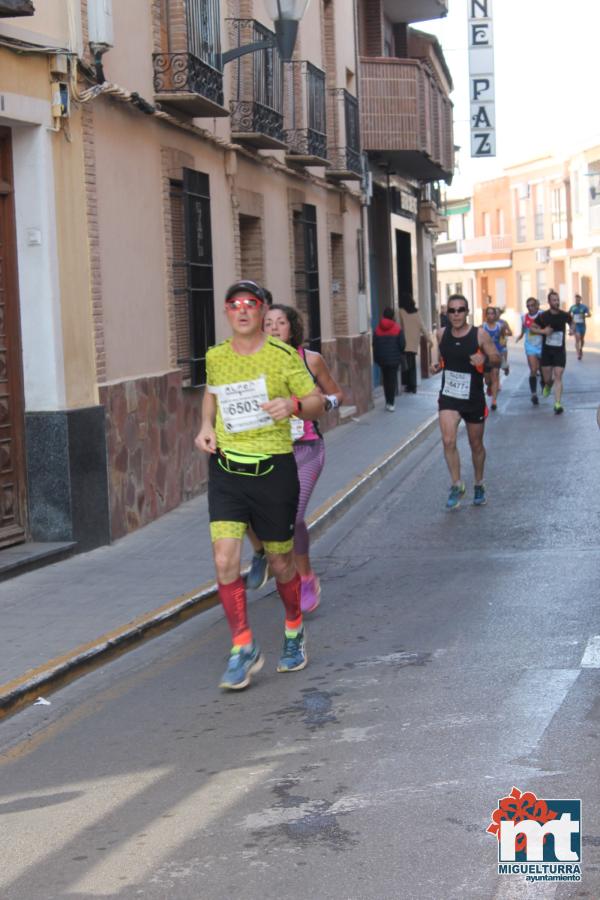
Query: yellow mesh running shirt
232, 377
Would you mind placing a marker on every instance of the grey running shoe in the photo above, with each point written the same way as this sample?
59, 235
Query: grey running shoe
259, 572
457, 491
294, 655
243, 661
479, 498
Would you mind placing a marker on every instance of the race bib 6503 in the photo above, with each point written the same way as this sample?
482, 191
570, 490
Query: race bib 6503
240, 405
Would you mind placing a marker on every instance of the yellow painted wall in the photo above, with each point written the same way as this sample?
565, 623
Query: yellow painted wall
24, 75
74, 269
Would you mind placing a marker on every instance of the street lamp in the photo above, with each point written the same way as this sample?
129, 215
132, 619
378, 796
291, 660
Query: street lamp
286, 15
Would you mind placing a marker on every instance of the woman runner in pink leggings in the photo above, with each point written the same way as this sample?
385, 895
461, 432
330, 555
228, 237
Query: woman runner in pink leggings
285, 323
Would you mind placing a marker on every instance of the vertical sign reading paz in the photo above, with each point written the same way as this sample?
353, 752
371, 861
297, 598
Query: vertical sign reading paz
481, 78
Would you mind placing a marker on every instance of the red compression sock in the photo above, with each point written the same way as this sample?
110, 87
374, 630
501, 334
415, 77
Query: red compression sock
290, 594
233, 598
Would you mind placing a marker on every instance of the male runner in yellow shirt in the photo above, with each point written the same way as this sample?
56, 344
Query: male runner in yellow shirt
254, 383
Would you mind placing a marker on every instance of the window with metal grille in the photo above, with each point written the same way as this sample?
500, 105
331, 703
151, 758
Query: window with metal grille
307, 273
204, 30
192, 274
316, 98
559, 214
360, 256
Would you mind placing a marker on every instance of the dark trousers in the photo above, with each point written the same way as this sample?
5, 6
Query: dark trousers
389, 376
409, 374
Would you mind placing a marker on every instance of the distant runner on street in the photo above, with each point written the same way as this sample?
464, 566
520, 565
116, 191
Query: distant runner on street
504, 335
254, 384
463, 350
580, 313
495, 332
533, 345
552, 324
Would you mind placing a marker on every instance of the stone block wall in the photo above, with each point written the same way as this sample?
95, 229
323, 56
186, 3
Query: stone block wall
349, 359
153, 465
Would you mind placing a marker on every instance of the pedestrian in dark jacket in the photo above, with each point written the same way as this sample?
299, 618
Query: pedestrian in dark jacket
413, 328
388, 346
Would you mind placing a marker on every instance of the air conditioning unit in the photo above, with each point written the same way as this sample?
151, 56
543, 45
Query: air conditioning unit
542, 255
100, 24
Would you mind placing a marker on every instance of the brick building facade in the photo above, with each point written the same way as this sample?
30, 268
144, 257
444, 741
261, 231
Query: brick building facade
151, 171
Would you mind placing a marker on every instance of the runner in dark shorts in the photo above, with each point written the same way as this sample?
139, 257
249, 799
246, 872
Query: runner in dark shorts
463, 351
580, 313
552, 324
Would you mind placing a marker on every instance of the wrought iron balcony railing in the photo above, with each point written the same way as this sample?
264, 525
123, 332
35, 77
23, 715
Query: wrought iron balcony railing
345, 159
256, 104
305, 120
187, 69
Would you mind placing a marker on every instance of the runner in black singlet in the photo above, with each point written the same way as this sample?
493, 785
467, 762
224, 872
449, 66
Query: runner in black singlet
552, 324
463, 351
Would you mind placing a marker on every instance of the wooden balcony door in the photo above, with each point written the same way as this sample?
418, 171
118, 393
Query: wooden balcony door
12, 461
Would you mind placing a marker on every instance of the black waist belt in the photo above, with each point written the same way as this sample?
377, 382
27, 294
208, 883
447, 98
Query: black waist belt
236, 463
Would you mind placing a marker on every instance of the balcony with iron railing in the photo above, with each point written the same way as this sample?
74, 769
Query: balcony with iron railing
344, 156
305, 116
188, 77
256, 103
406, 117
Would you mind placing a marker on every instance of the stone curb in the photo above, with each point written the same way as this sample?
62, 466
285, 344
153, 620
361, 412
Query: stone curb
58, 672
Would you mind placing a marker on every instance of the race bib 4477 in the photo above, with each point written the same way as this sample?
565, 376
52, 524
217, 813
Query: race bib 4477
457, 385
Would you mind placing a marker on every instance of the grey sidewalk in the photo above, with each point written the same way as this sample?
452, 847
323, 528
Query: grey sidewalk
48, 613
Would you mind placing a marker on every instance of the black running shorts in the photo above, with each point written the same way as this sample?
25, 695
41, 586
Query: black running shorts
266, 502
554, 356
473, 412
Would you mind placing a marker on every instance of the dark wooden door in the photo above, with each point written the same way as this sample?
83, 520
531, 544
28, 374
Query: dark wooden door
12, 461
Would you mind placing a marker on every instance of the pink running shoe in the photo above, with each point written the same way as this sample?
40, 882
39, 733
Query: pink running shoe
310, 593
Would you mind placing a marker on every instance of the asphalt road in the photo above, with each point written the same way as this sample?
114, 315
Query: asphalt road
455, 655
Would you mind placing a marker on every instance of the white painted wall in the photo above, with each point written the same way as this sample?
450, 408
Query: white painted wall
39, 292
402, 223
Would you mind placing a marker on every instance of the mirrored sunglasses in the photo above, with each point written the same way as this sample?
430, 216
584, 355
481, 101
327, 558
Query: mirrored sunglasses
249, 302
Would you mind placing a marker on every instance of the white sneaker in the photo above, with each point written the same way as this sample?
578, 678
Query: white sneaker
390, 407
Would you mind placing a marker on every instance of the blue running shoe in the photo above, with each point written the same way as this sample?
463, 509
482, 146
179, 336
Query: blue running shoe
457, 491
259, 572
294, 655
479, 498
243, 662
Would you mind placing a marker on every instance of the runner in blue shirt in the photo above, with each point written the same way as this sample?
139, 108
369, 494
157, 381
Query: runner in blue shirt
533, 345
580, 313
496, 331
